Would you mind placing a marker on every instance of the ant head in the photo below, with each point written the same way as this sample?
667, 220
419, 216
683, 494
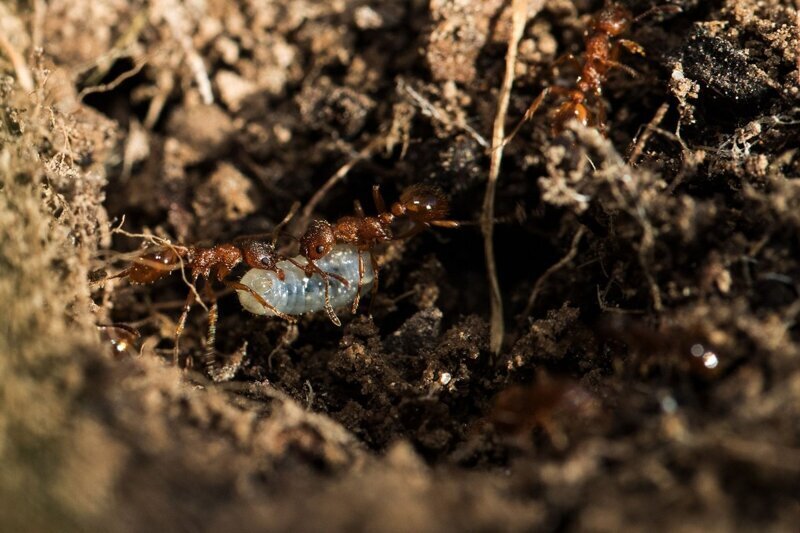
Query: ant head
317, 241
613, 20
422, 203
259, 254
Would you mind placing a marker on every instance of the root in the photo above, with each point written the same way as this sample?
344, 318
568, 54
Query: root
519, 19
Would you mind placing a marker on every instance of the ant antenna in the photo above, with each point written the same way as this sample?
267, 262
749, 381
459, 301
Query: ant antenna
275, 233
517, 217
663, 9
282, 224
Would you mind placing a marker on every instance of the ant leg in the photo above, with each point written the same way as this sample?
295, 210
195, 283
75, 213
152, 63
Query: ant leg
415, 230
213, 316
528, 115
241, 287
374, 292
602, 119
310, 269
282, 224
357, 299
377, 197
328, 307
275, 233
631, 46
445, 223
122, 274
628, 70
567, 58
359, 210
599, 118
182, 323
211, 335
663, 9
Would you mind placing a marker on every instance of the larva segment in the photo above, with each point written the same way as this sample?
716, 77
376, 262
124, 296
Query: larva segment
298, 293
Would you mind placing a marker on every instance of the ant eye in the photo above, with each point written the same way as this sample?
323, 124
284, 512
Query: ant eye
320, 249
265, 261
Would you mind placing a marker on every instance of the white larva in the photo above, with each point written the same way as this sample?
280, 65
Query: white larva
298, 294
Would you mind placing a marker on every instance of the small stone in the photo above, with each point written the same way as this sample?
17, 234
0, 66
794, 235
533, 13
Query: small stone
233, 89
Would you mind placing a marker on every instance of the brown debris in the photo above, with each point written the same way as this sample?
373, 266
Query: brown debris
459, 33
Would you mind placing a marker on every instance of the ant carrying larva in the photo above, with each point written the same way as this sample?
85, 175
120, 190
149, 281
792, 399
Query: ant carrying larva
335, 262
214, 263
209, 264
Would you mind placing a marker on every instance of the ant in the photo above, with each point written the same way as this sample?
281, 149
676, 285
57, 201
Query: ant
422, 205
549, 404
603, 44
211, 264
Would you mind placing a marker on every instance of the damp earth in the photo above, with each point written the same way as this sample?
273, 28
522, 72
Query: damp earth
649, 371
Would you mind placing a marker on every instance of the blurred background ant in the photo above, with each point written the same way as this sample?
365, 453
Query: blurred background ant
550, 404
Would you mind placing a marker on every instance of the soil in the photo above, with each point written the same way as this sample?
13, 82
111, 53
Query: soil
649, 377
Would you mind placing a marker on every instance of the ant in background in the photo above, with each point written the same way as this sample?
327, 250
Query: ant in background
549, 403
211, 264
603, 44
422, 205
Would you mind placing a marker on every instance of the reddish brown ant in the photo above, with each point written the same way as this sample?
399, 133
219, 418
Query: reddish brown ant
548, 403
603, 44
671, 347
422, 205
211, 264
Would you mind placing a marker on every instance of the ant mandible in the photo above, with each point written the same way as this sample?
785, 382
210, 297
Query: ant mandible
213, 263
422, 205
603, 44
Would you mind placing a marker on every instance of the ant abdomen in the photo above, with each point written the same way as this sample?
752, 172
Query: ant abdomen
153, 266
422, 204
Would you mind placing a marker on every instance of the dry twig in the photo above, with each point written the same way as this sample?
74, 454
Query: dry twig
430, 110
337, 176
537, 288
116, 82
520, 10
24, 76
641, 142
176, 17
